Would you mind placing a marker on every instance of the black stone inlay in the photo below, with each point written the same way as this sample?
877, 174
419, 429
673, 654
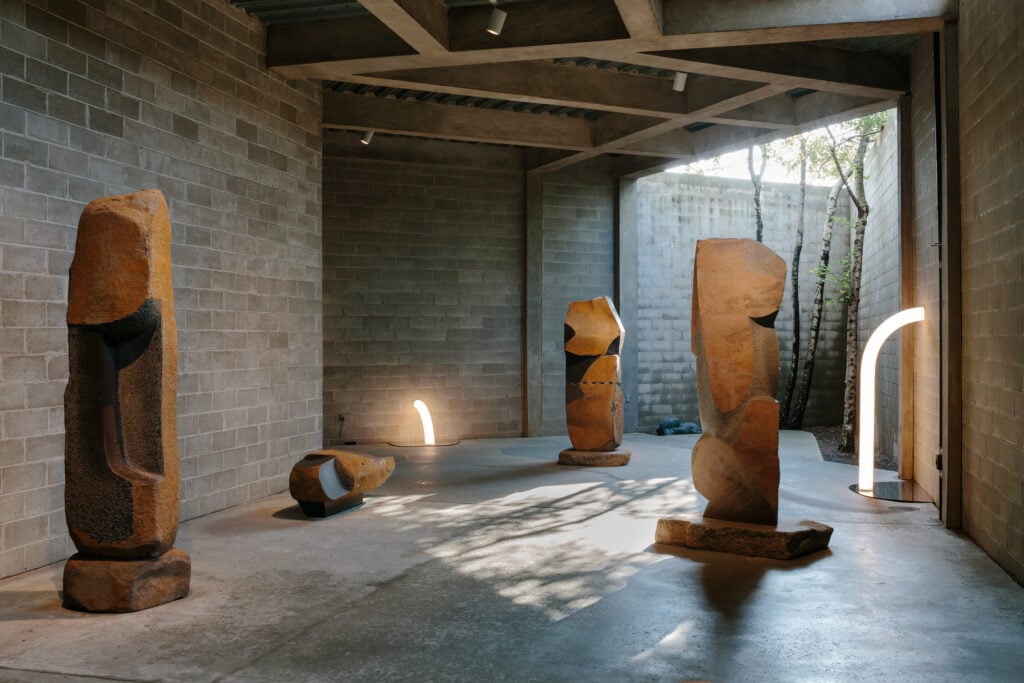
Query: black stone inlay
767, 320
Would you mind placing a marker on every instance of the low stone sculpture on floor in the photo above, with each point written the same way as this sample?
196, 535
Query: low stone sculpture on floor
593, 385
120, 414
737, 291
331, 480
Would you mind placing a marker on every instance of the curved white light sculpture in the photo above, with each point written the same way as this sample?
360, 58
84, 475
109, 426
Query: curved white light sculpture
866, 432
428, 424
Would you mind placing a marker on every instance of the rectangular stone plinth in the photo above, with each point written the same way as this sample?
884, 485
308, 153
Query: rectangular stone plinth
787, 540
98, 584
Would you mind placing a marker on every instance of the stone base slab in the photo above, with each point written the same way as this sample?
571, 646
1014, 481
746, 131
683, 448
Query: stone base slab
786, 540
316, 508
616, 458
99, 584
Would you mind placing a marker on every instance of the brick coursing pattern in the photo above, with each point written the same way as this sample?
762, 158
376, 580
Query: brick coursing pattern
991, 82
880, 278
676, 210
578, 264
926, 267
423, 282
112, 97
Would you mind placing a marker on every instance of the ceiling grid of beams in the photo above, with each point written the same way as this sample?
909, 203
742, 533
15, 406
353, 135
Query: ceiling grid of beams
575, 79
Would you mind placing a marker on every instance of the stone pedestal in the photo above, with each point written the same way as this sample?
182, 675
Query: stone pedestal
99, 584
331, 480
785, 541
616, 458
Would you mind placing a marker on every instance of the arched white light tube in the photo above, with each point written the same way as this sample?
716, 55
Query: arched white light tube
866, 431
428, 424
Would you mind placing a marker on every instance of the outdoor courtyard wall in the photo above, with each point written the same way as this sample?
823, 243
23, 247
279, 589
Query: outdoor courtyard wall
991, 101
110, 97
675, 210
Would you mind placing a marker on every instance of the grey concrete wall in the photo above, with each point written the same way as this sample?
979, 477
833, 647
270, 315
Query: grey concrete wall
578, 264
423, 279
992, 154
109, 97
674, 212
880, 278
926, 266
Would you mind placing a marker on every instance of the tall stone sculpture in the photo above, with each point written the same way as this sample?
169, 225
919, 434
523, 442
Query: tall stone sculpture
121, 457
737, 291
593, 384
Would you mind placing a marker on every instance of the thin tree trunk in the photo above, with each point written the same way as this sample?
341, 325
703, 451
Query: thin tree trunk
755, 178
794, 277
847, 439
797, 417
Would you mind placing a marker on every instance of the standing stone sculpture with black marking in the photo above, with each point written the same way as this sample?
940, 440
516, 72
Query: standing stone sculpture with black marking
737, 290
121, 457
593, 384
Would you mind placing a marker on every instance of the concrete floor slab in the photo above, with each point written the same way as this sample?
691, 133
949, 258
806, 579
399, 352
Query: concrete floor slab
487, 561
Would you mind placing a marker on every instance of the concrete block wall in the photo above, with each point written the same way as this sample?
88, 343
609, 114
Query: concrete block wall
423, 280
110, 97
675, 211
991, 82
880, 278
927, 384
578, 264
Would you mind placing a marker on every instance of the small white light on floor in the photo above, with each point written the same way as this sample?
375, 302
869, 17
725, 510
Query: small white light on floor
497, 21
679, 82
428, 424
367, 137
866, 432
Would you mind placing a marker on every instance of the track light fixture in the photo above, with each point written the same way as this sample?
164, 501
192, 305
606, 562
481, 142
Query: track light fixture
367, 137
679, 82
497, 21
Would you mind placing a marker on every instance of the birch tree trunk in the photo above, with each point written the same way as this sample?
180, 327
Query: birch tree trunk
785, 422
817, 308
755, 179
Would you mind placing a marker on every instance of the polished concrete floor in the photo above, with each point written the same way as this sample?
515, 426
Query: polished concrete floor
486, 561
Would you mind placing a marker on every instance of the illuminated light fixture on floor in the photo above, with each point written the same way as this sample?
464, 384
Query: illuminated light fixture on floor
367, 137
866, 432
428, 424
679, 82
497, 21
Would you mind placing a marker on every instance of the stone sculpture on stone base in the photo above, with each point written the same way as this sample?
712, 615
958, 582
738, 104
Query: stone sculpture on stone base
737, 291
593, 385
331, 480
120, 415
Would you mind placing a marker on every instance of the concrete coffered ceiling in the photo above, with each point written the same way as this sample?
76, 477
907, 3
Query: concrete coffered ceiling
575, 79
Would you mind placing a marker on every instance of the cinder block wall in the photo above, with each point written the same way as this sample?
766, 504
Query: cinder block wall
423, 279
992, 154
880, 278
926, 267
109, 97
675, 211
578, 264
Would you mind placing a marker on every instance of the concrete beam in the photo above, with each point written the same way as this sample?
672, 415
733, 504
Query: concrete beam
643, 18
472, 124
796, 20
817, 67
423, 24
